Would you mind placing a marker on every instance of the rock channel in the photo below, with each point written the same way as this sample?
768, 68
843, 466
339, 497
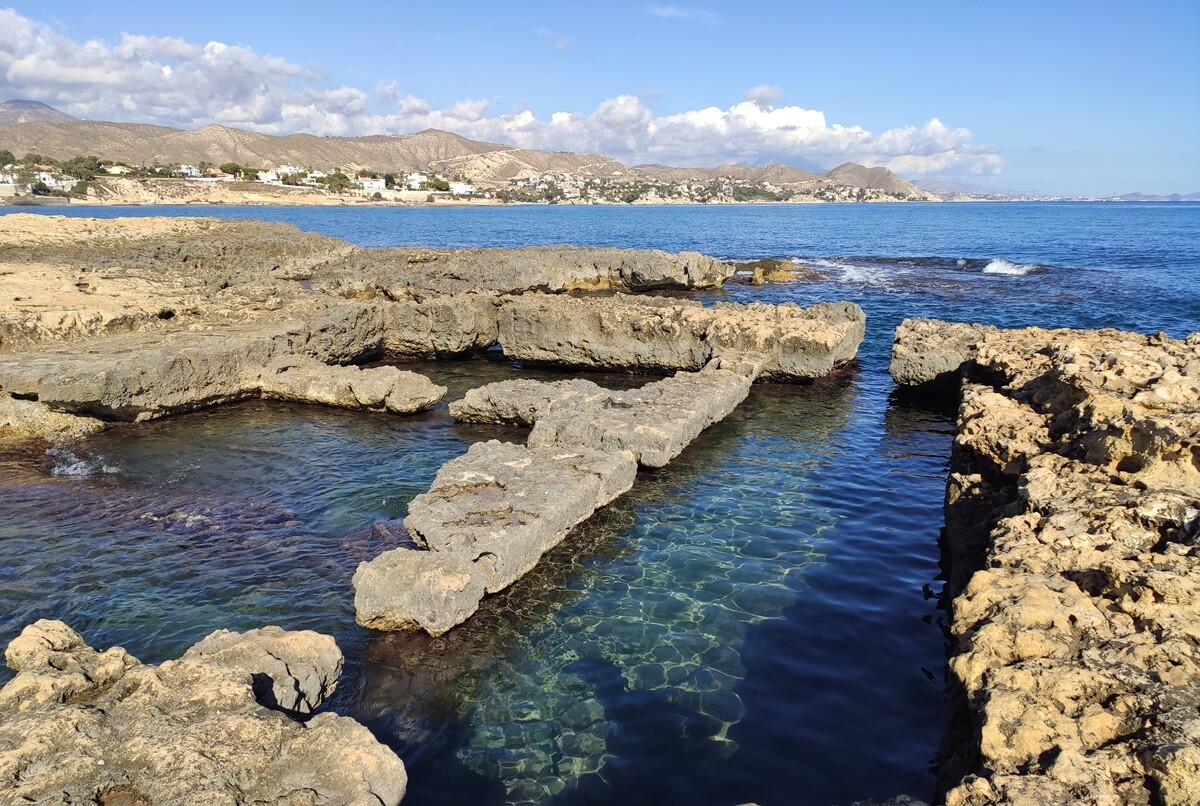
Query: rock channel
216, 726
1073, 521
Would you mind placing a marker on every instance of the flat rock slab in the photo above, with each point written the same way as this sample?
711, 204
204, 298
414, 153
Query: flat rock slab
82, 726
654, 423
660, 334
487, 519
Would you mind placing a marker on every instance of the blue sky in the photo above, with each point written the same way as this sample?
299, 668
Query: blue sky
1054, 97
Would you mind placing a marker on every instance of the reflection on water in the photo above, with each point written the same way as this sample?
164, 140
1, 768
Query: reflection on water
577, 669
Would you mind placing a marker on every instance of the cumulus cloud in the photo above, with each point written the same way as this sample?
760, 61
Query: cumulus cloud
175, 82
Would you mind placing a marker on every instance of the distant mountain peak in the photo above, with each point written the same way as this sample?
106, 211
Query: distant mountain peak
23, 110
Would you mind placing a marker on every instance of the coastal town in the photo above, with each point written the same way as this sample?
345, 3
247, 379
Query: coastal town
36, 178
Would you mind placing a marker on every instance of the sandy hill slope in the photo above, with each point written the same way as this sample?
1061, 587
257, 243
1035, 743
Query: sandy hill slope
22, 111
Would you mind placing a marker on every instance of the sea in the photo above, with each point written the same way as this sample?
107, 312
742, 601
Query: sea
757, 622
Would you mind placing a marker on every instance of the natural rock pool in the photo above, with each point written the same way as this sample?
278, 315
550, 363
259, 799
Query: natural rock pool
755, 621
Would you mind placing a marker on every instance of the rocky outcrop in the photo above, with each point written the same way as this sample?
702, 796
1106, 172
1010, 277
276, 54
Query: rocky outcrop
440, 326
1073, 521
931, 352
30, 420
82, 726
654, 423
419, 274
185, 370
379, 389
486, 520
659, 334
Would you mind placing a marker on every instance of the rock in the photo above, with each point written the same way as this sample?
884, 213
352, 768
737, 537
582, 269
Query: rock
656, 334
377, 389
295, 671
29, 420
931, 352
1075, 646
441, 326
419, 274
654, 423
486, 520
81, 726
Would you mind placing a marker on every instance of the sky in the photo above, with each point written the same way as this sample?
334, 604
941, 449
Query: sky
1063, 97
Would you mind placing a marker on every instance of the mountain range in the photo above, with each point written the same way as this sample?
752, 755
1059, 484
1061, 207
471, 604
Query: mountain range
29, 126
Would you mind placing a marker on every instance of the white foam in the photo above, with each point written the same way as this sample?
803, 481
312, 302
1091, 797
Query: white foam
1002, 266
67, 463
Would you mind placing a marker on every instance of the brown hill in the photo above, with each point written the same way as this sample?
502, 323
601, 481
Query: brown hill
22, 111
430, 150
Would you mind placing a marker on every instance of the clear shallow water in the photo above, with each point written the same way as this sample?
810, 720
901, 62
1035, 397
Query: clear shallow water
751, 623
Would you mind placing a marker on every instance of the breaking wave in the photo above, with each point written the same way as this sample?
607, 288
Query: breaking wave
1002, 266
65, 463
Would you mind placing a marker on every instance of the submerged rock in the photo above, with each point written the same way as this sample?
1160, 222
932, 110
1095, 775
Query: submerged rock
82, 726
656, 334
1073, 515
377, 389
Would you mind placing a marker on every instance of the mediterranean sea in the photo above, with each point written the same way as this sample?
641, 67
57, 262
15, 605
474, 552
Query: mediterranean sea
757, 622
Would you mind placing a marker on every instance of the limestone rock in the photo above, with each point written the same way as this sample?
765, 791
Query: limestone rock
376, 389
522, 401
485, 521
294, 670
656, 334
1076, 650
81, 726
419, 274
929, 351
27, 419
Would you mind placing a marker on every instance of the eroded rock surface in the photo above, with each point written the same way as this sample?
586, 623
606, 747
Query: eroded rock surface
654, 423
486, 520
377, 389
932, 352
82, 726
659, 334
1073, 521
417, 274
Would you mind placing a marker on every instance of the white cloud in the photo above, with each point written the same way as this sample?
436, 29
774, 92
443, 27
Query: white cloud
685, 13
174, 82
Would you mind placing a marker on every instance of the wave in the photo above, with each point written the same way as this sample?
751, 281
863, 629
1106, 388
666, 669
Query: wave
65, 463
1002, 266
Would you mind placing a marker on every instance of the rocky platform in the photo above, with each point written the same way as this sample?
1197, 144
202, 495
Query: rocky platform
1073, 522
492, 513
217, 726
651, 334
131, 319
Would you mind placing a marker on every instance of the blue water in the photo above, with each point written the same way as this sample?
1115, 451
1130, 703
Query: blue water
752, 623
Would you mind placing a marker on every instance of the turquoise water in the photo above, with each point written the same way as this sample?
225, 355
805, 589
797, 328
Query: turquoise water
752, 623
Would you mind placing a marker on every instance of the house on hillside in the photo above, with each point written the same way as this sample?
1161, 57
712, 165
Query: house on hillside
286, 170
462, 188
269, 177
415, 180
186, 171
371, 182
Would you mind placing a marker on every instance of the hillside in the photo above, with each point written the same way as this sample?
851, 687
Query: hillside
33, 127
22, 111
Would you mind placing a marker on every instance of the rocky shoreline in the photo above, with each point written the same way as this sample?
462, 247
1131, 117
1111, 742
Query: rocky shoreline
133, 320
1072, 520
1072, 505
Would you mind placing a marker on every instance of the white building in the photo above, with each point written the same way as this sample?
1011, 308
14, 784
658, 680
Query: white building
269, 177
462, 188
189, 171
284, 170
415, 179
369, 183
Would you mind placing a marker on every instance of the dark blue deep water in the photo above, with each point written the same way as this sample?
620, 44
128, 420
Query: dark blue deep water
755, 622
